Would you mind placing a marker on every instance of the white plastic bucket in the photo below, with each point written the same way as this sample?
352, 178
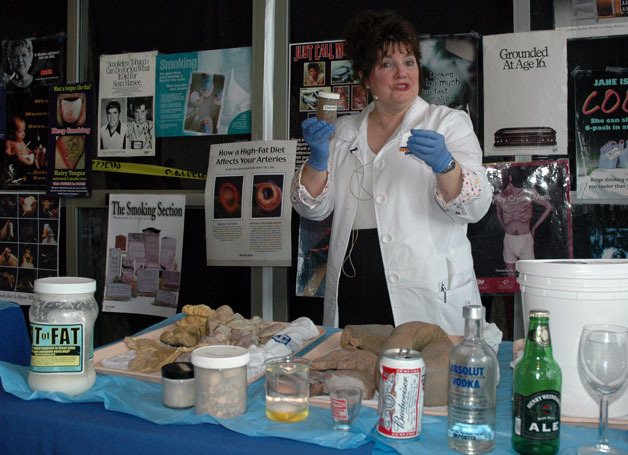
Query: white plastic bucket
577, 292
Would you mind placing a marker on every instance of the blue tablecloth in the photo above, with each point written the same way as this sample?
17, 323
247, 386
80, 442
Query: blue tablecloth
142, 425
15, 346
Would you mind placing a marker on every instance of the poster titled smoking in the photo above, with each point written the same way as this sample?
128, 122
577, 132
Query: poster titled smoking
144, 253
30, 67
530, 218
70, 140
525, 93
126, 105
247, 203
29, 248
204, 93
449, 72
601, 134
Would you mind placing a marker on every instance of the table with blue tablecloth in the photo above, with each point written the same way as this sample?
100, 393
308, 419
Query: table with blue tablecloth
122, 415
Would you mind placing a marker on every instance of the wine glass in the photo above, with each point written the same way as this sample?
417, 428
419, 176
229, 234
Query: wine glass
603, 364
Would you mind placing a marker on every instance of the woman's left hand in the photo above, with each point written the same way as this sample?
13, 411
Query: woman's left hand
430, 147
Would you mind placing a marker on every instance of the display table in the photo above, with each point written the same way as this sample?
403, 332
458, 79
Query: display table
15, 345
44, 426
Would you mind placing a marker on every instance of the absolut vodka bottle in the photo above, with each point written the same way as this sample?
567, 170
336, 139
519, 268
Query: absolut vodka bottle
472, 388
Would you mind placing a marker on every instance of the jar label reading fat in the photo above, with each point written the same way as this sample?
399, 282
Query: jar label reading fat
57, 348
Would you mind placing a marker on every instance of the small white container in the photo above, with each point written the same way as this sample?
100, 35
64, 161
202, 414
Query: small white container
177, 381
62, 326
220, 380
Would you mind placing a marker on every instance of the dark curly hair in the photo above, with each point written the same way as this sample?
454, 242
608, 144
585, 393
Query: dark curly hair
370, 34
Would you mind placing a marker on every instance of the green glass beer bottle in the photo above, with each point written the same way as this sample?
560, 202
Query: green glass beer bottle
536, 392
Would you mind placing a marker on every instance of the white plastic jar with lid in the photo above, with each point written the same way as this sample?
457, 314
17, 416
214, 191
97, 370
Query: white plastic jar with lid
220, 380
62, 326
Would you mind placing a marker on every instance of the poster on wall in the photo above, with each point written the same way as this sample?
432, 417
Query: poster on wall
70, 140
320, 66
144, 253
529, 218
601, 134
449, 72
29, 249
30, 67
525, 93
580, 19
247, 203
204, 93
126, 105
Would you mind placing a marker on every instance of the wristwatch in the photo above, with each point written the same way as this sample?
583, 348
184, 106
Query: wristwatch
450, 167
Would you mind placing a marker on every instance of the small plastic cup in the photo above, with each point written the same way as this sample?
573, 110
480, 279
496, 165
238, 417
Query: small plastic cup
345, 406
327, 106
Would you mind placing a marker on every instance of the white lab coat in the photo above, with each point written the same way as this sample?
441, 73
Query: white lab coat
426, 254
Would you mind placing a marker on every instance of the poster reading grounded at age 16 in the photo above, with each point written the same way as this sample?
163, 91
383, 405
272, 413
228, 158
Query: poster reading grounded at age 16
530, 218
144, 253
204, 93
525, 93
29, 249
247, 203
601, 134
30, 66
126, 105
70, 140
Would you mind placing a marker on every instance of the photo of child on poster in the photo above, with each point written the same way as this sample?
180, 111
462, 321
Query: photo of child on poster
530, 218
204, 101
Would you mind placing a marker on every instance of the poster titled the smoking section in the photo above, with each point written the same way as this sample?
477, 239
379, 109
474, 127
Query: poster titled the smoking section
247, 203
144, 253
126, 105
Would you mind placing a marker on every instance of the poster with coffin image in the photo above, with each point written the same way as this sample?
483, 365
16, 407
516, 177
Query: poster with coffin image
204, 93
525, 93
449, 72
529, 218
601, 134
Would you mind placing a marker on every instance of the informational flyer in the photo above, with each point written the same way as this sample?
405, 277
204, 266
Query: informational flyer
30, 67
29, 243
530, 218
601, 135
204, 93
525, 93
144, 253
126, 105
70, 140
449, 72
247, 203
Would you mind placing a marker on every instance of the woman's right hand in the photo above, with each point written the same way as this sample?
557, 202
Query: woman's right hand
317, 133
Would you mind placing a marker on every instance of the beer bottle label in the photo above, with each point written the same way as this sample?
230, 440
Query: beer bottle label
537, 416
540, 336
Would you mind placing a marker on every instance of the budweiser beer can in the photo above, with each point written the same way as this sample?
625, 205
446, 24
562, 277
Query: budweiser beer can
401, 388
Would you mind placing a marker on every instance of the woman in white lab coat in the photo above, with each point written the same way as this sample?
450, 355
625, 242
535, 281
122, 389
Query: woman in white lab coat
403, 178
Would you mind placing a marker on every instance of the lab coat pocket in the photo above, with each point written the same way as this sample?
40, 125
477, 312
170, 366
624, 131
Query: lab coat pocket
451, 302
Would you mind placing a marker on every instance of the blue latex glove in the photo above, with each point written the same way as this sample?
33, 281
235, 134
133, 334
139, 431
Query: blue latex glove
430, 147
317, 133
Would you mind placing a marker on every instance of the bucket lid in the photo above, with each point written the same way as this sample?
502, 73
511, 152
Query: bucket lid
574, 268
65, 285
220, 356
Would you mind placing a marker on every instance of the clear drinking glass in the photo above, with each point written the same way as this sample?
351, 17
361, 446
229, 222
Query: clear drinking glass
287, 388
603, 364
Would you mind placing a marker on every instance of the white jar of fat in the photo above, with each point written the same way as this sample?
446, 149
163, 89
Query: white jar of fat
62, 326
